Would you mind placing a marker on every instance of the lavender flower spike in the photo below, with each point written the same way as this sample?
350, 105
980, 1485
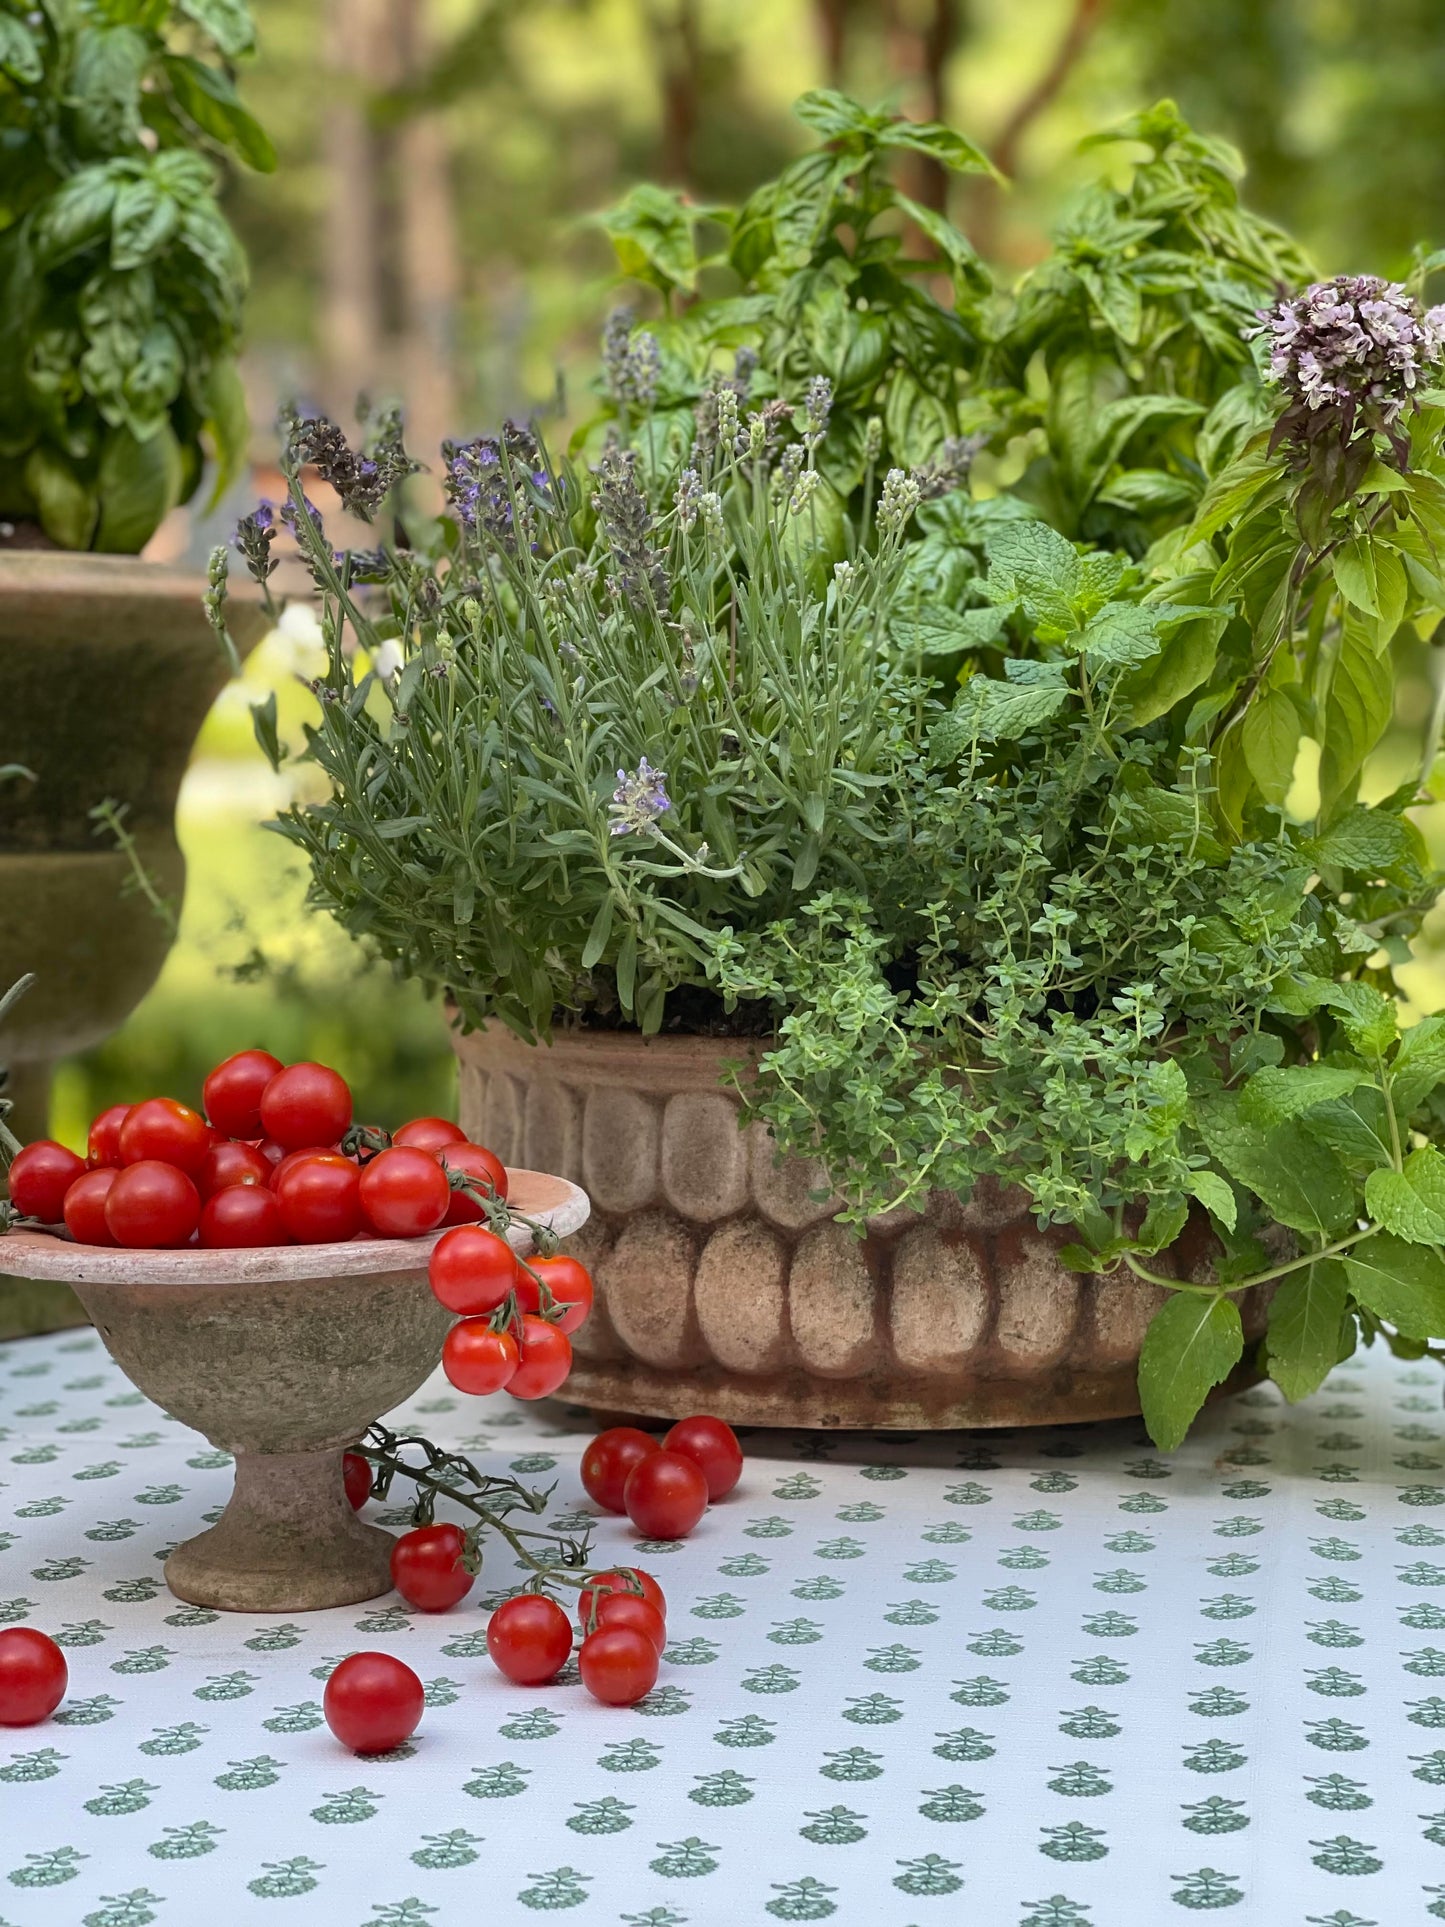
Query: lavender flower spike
639, 800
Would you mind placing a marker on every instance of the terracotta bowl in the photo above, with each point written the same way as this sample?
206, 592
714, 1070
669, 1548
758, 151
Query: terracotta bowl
281, 1356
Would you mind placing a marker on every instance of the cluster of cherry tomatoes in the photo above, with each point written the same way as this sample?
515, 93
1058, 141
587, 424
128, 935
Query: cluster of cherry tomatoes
516, 1315
274, 1160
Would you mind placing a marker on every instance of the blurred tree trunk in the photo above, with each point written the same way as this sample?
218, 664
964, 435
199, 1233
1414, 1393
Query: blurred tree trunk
677, 32
354, 42
426, 246
921, 35
832, 19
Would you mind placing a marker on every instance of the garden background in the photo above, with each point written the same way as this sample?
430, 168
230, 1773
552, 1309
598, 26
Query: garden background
425, 237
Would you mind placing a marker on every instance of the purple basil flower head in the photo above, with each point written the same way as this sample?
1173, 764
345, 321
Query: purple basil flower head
639, 800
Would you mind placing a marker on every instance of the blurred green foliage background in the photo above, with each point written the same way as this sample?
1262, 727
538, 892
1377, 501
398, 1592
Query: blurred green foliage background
425, 236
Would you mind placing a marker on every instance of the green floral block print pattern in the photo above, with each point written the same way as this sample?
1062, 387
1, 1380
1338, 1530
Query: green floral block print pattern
1043, 1679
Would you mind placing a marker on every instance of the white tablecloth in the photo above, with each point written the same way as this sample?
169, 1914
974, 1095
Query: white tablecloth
1037, 1679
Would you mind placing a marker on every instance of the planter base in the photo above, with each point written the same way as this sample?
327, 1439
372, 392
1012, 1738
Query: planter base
287, 1542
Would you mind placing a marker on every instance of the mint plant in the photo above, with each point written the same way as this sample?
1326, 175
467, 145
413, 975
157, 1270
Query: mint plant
770, 713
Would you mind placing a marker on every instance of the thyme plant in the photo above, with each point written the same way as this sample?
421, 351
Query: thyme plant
983, 809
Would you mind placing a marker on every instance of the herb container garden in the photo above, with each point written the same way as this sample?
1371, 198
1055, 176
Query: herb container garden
723, 1279
283, 1356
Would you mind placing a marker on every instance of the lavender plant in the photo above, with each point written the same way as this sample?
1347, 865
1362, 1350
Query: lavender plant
996, 835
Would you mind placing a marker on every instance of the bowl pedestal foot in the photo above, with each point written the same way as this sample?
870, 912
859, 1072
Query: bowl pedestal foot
288, 1541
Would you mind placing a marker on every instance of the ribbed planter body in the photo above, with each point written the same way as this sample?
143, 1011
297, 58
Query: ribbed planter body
725, 1285
108, 669
281, 1356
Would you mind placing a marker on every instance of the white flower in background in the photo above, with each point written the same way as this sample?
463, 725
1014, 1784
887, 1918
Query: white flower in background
388, 659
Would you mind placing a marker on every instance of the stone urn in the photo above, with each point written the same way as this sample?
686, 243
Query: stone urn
281, 1356
725, 1285
109, 668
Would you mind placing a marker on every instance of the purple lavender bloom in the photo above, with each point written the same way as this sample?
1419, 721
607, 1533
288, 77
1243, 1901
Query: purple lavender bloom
639, 800
253, 538
363, 481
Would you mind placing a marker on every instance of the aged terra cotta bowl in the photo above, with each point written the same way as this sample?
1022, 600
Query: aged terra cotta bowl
281, 1356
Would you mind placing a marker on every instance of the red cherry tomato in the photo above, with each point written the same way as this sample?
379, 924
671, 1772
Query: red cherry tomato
570, 1284
40, 1176
275, 1154
478, 1360
665, 1495
289, 1158
608, 1460
713, 1445
227, 1163
161, 1131
627, 1609
356, 1476
33, 1676
103, 1145
486, 1171
529, 1639
85, 1206
471, 1270
241, 1216
320, 1199
429, 1134
232, 1092
618, 1665
306, 1104
625, 1579
546, 1360
426, 1567
404, 1193
152, 1204
372, 1702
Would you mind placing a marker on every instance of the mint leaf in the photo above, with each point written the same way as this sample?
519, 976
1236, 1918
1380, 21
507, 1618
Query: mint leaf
1214, 1193
1411, 1203
1357, 1127
1031, 563
1367, 1015
1418, 1065
1005, 711
1275, 1096
1370, 842
1301, 1182
944, 632
1305, 1315
1163, 1222
1193, 1342
1122, 632
1402, 1283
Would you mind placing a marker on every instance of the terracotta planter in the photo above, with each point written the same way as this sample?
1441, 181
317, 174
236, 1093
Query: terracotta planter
109, 669
283, 1357
725, 1285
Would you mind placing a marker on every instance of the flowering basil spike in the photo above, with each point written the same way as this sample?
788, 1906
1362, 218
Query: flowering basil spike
639, 799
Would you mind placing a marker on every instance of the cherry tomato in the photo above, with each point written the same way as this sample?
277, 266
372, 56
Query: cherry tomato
471, 1270
665, 1495
478, 1360
628, 1609
404, 1193
546, 1360
618, 1665
486, 1171
306, 1104
227, 1163
241, 1216
570, 1283
40, 1176
529, 1638
85, 1206
625, 1579
33, 1676
429, 1133
289, 1158
103, 1145
713, 1445
232, 1092
320, 1199
373, 1702
275, 1153
152, 1204
161, 1131
356, 1476
426, 1567
608, 1460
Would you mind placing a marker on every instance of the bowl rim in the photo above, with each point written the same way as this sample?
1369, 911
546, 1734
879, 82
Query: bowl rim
556, 1202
